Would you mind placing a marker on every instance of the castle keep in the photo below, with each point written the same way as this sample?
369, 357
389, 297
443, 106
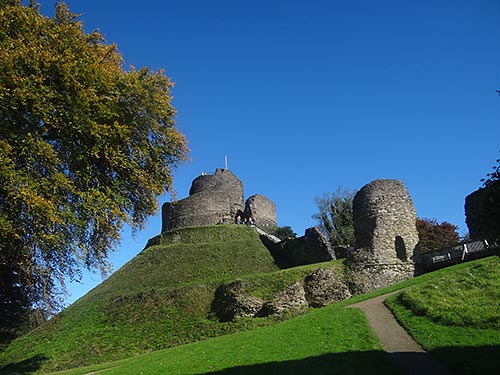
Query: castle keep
217, 198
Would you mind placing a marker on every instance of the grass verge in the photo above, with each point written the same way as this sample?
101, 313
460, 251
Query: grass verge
332, 340
456, 316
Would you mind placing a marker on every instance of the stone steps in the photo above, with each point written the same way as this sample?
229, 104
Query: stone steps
264, 233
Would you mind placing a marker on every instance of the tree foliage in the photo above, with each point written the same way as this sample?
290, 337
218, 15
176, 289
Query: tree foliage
434, 236
489, 220
283, 233
335, 216
493, 176
86, 146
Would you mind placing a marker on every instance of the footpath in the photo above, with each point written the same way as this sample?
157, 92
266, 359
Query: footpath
407, 355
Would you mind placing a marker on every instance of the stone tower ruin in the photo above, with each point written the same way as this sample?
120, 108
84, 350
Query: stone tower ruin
481, 213
211, 199
262, 211
215, 199
386, 235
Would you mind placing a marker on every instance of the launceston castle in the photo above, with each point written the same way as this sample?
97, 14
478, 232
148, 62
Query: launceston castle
217, 199
386, 251
384, 223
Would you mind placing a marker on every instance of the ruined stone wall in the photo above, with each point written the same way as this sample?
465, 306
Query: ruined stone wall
386, 236
222, 180
211, 198
312, 247
262, 211
482, 213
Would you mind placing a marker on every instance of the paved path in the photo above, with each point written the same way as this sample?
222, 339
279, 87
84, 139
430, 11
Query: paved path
405, 352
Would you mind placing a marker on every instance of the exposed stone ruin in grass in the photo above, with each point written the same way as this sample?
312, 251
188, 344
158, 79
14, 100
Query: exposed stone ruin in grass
319, 288
312, 247
289, 301
324, 287
231, 303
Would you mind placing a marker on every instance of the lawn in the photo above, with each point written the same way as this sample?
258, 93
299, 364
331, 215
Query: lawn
160, 299
454, 313
333, 340
456, 316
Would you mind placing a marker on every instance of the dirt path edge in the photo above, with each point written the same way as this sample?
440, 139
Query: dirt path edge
407, 355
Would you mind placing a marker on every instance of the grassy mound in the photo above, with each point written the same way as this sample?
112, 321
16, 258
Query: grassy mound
338, 340
335, 339
162, 299
159, 299
467, 298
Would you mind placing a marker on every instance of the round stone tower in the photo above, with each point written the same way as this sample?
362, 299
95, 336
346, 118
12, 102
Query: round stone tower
385, 221
386, 235
212, 199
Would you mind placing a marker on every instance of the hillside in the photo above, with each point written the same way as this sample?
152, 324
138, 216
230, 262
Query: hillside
336, 340
162, 298
159, 299
456, 316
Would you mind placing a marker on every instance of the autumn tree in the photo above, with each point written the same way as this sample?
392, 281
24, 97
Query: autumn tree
86, 146
335, 216
434, 236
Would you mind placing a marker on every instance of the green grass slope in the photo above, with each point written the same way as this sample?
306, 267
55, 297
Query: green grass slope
119, 320
456, 316
335, 340
159, 299
332, 340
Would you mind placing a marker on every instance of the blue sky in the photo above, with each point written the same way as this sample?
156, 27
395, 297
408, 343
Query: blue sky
304, 96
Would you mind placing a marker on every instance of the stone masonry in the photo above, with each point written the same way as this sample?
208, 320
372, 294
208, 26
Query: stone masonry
215, 199
385, 221
211, 199
262, 211
312, 247
386, 235
482, 212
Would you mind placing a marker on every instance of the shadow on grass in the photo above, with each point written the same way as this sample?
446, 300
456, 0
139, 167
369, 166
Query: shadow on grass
27, 366
475, 360
5, 339
351, 363
483, 360
450, 360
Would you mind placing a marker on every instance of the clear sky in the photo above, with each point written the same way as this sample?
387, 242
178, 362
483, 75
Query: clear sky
304, 96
